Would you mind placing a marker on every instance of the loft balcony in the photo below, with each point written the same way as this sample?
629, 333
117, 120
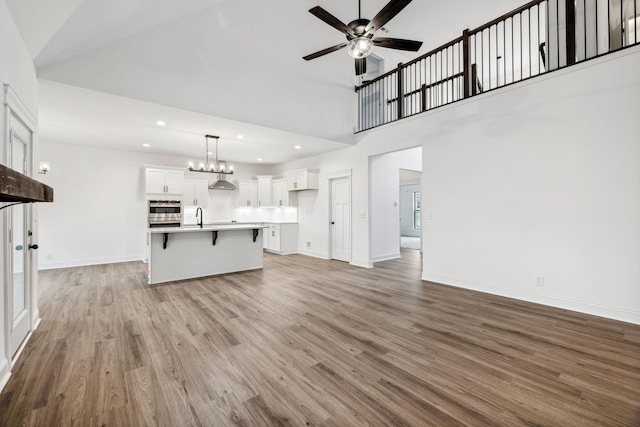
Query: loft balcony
540, 37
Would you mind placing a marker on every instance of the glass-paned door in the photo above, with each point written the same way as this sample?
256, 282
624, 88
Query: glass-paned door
19, 288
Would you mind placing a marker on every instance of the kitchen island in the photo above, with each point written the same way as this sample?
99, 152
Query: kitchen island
190, 251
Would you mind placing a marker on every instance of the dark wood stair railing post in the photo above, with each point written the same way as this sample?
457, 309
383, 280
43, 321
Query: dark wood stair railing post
466, 61
423, 97
400, 92
474, 78
570, 16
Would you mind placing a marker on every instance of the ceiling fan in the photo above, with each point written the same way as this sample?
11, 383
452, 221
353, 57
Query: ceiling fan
360, 33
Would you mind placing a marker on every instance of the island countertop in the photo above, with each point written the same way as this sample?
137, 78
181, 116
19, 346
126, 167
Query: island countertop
178, 253
208, 227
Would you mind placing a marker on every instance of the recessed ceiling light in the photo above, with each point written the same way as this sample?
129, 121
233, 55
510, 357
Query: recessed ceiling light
240, 136
259, 159
146, 145
297, 147
160, 123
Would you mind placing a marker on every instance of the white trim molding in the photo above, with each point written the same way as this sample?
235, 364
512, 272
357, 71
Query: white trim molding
5, 373
95, 261
558, 302
13, 101
386, 257
345, 173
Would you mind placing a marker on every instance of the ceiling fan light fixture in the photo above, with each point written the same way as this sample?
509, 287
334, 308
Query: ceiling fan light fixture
360, 47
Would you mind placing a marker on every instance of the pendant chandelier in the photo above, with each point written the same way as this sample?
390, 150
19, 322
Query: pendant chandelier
218, 166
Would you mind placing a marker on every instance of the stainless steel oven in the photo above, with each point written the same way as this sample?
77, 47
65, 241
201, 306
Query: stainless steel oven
165, 213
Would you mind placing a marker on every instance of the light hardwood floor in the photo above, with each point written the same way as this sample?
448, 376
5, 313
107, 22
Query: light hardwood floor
313, 342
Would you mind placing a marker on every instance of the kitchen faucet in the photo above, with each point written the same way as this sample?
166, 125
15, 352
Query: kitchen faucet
199, 210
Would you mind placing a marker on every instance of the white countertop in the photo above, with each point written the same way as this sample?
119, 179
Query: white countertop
209, 227
247, 222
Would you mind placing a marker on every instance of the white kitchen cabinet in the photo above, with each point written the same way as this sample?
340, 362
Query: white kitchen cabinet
302, 179
248, 194
281, 238
196, 192
279, 192
162, 181
264, 191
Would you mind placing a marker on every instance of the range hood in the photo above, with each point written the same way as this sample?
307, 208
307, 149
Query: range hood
16, 187
222, 184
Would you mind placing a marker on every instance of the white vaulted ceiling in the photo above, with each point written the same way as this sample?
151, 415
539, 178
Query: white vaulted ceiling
110, 69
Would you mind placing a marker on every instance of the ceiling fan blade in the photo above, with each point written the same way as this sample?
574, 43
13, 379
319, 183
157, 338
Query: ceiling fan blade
386, 14
361, 66
324, 52
331, 20
400, 44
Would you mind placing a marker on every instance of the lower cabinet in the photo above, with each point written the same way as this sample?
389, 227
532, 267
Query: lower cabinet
281, 238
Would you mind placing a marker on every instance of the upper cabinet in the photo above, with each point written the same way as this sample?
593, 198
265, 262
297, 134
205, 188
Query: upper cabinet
196, 192
264, 191
162, 181
248, 194
279, 192
302, 179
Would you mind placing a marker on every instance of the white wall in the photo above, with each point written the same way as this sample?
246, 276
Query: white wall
313, 205
99, 214
539, 179
384, 187
17, 70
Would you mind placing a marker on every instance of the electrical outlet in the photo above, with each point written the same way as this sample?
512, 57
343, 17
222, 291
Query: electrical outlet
539, 281
308, 244
49, 256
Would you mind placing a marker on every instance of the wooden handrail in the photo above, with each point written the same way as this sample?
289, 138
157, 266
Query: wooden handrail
479, 64
418, 59
507, 16
425, 87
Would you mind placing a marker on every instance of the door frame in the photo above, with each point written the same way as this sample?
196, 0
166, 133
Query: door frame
15, 109
331, 176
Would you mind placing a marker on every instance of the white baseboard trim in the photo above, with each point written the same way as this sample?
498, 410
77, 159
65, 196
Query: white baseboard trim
5, 373
558, 302
386, 257
36, 319
314, 254
23, 345
362, 264
85, 262
325, 256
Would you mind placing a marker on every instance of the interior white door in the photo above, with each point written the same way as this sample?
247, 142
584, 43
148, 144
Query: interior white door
341, 219
20, 286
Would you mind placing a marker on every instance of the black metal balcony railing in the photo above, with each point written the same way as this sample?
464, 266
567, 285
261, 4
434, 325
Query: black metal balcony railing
539, 37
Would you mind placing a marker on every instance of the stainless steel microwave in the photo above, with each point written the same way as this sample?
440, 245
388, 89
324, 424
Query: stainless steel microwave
165, 213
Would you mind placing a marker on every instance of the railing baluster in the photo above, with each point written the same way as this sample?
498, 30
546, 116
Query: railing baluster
400, 94
570, 30
466, 66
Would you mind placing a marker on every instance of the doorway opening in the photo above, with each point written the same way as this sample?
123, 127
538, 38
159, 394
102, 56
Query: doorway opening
395, 201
